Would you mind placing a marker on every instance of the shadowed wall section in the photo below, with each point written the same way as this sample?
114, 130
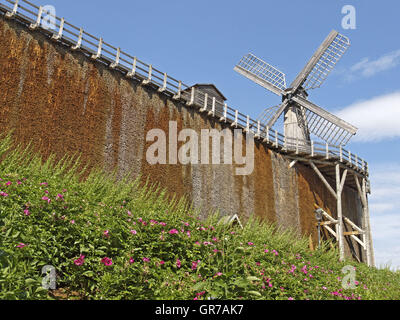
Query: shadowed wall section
66, 103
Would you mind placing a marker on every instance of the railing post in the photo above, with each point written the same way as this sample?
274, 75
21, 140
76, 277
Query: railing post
164, 87
133, 71
356, 161
58, 36
258, 135
116, 62
312, 149
223, 119
327, 151
34, 26
235, 123
212, 112
276, 139
99, 49
148, 80
178, 95
192, 95
247, 124
79, 42
204, 108
341, 153
350, 160
12, 14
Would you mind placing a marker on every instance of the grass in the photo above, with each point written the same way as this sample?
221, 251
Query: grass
109, 239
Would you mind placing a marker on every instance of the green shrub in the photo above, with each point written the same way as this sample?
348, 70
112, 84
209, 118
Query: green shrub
110, 239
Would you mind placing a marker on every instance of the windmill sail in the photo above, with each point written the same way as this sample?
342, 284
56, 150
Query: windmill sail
322, 62
262, 73
325, 125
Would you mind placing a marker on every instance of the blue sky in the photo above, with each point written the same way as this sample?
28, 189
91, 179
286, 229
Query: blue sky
201, 41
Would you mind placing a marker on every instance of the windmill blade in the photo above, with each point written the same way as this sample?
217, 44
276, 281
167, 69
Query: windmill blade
267, 114
325, 125
278, 113
262, 73
322, 62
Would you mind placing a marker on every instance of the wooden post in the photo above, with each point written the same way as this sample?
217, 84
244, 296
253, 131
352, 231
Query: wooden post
369, 245
179, 93
205, 103
12, 14
212, 112
99, 49
164, 87
339, 212
34, 26
223, 119
58, 36
150, 75
191, 102
116, 62
79, 42
132, 73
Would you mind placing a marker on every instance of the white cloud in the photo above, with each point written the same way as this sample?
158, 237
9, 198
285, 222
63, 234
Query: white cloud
377, 118
368, 68
385, 213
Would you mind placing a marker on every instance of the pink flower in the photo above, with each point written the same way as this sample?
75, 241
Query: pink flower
266, 250
44, 184
3, 194
46, 199
325, 288
21, 245
9, 183
79, 261
178, 263
129, 213
188, 233
133, 232
290, 298
186, 224
106, 233
163, 224
19, 182
250, 243
59, 197
146, 260
107, 261
26, 212
162, 262
218, 274
195, 264
173, 231
72, 221
131, 261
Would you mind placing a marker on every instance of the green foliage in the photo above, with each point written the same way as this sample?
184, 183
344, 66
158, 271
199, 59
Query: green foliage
156, 248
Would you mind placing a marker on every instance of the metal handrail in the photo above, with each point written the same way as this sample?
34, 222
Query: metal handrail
139, 70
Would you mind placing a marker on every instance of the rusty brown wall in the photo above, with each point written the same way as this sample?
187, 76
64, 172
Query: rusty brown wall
67, 103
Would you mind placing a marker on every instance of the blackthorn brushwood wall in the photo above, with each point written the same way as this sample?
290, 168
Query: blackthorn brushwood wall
66, 103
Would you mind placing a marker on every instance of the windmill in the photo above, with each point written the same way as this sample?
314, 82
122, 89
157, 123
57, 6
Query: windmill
302, 117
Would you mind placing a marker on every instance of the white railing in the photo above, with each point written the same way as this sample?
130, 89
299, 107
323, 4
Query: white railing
97, 49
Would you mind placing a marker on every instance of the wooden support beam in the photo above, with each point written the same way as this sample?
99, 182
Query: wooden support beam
326, 183
351, 233
339, 212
